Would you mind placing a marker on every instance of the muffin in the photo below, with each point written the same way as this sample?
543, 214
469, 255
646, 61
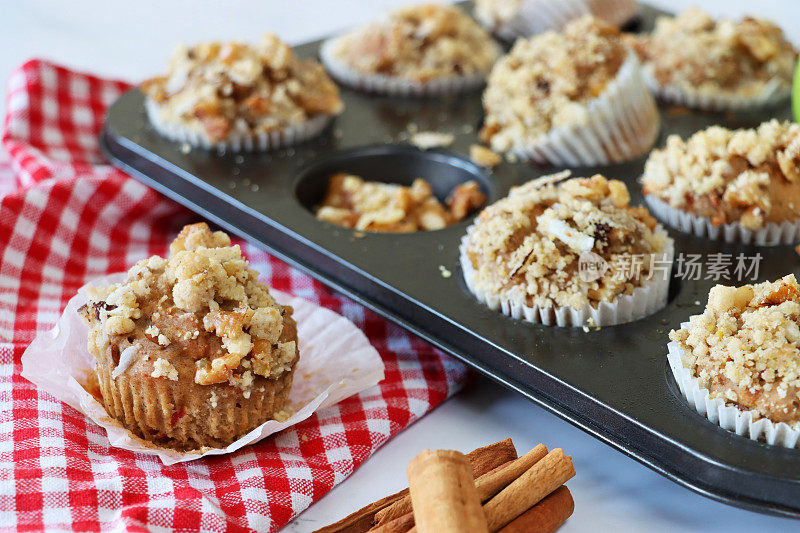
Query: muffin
738, 185
192, 351
511, 19
571, 254
722, 65
237, 97
572, 98
423, 50
738, 363
385, 207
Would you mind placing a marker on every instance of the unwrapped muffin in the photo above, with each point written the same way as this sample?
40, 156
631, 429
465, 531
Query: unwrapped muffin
739, 185
720, 65
571, 98
241, 97
511, 19
424, 50
738, 362
191, 350
570, 254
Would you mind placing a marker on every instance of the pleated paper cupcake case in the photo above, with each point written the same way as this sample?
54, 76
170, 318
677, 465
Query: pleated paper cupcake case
645, 300
622, 124
238, 142
744, 423
393, 85
771, 234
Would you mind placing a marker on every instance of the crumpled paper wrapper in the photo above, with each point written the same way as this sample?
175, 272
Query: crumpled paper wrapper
336, 361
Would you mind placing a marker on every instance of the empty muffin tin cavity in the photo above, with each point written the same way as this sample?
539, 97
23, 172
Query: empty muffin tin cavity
398, 164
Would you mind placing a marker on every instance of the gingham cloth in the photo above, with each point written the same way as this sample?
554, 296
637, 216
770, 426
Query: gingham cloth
69, 217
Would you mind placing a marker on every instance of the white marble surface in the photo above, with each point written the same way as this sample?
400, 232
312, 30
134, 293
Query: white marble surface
131, 40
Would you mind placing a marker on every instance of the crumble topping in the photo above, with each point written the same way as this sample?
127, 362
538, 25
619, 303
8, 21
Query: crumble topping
546, 81
163, 368
483, 156
745, 347
420, 43
369, 205
748, 176
695, 52
496, 13
223, 88
527, 246
203, 304
426, 140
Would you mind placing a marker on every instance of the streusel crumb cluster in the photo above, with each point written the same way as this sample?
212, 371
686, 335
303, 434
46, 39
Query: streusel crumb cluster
745, 347
546, 81
420, 43
527, 246
224, 88
494, 13
748, 176
694, 51
201, 303
368, 205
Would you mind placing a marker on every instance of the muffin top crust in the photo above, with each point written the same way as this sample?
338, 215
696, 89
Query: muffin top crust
527, 246
200, 316
693, 51
745, 347
220, 89
385, 207
419, 43
750, 176
546, 81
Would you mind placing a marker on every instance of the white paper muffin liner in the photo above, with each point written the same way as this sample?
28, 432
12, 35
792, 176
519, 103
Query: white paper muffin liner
622, 124
645, 300
770, 235
773, 94
728, 416
537, 16
336, 361
237, 142
394, 85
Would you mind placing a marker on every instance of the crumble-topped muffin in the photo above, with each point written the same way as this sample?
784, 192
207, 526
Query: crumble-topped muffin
581, 82
523, 18
418, 45
745, 348
258, 95
749, 176
192, 351
694, 54
373, 206
527, 247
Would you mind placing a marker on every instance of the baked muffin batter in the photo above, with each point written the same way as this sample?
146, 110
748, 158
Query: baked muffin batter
745, 347
750, 176
191, 350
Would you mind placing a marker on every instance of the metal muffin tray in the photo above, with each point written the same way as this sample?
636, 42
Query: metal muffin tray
614, 383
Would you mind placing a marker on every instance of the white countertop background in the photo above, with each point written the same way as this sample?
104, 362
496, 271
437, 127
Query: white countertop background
131, 40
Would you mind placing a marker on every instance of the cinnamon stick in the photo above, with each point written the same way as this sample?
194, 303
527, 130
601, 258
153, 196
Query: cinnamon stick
487, 484
401, 524
544, 517
443, 493
361, 520
544, 477
482, 460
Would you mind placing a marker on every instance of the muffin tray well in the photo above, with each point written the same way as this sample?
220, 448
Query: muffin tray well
613, 383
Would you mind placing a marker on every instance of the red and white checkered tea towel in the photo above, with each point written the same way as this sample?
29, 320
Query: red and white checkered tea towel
69, 217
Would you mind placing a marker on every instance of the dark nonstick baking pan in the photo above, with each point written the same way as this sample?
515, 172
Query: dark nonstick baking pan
613, 382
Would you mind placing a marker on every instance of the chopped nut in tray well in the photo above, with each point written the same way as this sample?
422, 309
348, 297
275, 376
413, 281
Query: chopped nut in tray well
384, 207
